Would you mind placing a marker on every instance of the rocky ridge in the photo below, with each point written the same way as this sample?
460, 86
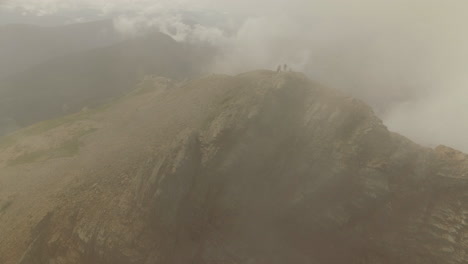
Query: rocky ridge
262, 167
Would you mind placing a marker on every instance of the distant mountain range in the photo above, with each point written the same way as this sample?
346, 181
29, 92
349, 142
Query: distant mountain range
83, 65
23, 46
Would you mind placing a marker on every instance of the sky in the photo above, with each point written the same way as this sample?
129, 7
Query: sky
406, 58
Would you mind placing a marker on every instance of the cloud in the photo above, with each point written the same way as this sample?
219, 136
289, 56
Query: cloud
47, 7
407, 58
171, 24
434, 119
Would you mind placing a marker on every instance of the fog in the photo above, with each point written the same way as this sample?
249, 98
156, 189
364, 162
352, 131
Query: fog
163, 131
407, 59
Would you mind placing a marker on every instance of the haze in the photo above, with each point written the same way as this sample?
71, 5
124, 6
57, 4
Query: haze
247, 132
407, 59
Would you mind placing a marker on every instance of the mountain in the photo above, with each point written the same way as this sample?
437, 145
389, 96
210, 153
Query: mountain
23, 46
89, 78
262, 167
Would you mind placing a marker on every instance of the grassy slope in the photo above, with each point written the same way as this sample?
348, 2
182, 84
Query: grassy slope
87, 79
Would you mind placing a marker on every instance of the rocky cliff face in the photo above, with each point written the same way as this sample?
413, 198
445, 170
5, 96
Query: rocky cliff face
258, 168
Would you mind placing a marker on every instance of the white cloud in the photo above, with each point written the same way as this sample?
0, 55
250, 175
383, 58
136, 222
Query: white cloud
171, 24
105, 6
405, 57
439, 118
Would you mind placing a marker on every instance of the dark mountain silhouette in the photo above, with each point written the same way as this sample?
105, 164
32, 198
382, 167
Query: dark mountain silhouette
24, 46
86, 79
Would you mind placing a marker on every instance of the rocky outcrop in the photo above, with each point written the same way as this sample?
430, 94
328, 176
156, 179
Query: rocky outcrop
263, 167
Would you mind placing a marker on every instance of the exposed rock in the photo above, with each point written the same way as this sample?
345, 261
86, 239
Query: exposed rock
263, 167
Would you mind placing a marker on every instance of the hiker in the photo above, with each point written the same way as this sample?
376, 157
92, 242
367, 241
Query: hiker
278, 69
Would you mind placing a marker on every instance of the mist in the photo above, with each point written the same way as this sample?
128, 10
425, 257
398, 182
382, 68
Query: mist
247, 132
407, 59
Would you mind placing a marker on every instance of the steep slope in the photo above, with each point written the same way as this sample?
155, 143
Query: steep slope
262, 167
67, 84
24, 46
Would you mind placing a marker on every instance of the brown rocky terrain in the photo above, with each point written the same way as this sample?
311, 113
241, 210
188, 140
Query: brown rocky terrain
258, 168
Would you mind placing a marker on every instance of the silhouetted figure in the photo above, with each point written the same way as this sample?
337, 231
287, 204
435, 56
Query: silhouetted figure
278, 69
285, 67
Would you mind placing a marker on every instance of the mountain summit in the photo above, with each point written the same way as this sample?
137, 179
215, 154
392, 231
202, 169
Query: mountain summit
262, 167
